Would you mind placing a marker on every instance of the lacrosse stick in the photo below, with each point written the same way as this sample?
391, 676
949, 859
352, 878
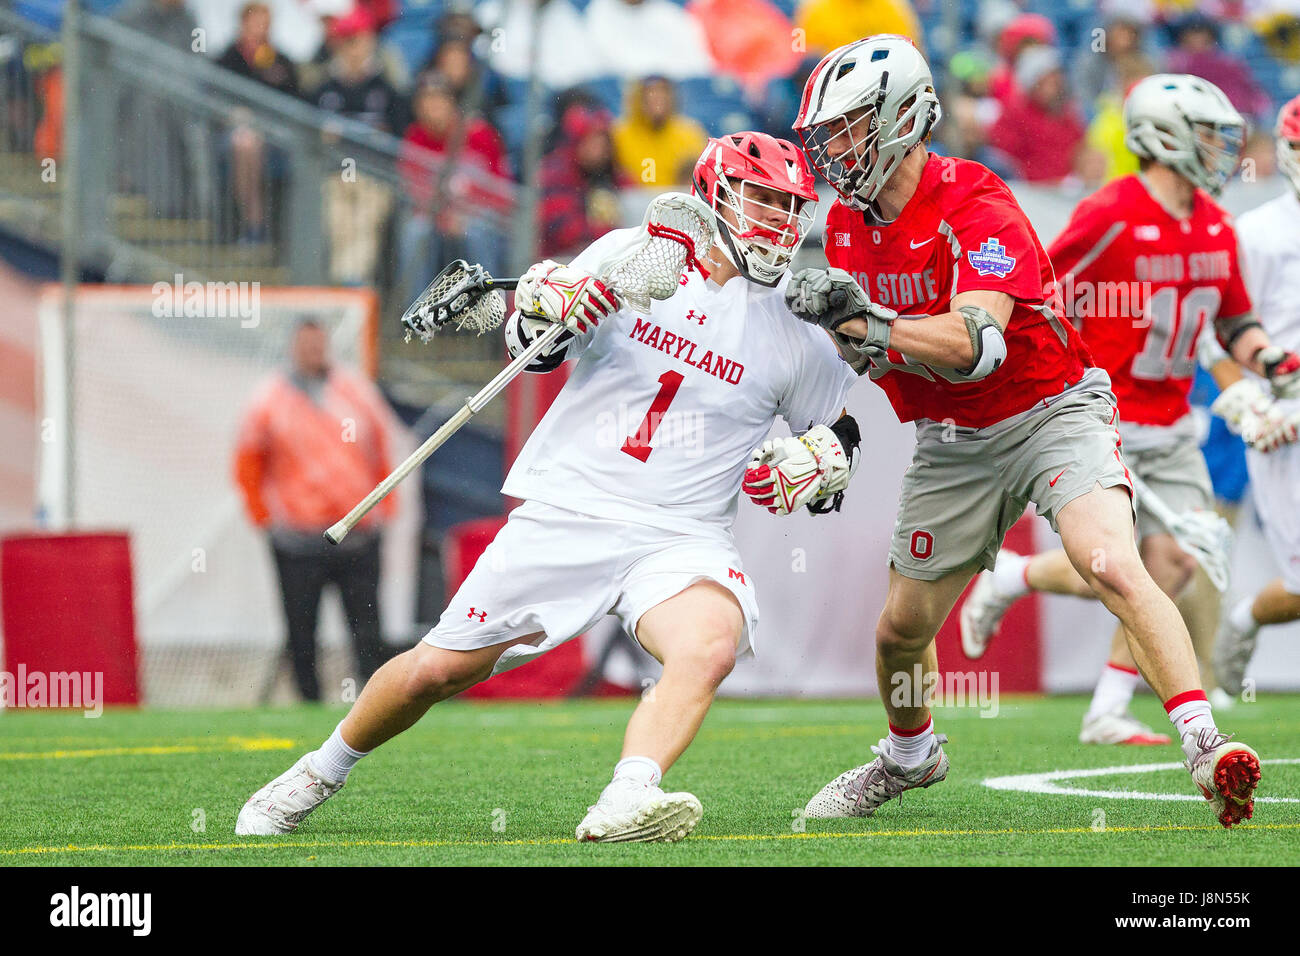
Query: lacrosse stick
675, 234
1202, 534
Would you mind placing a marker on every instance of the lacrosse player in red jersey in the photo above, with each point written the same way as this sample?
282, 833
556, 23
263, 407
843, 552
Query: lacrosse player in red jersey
939, 291
1147, 263
630, 485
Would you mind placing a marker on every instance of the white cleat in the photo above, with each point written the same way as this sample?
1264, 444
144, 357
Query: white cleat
1233, 650
284, 803
1226, 774
981, 615
1221, 700
631, 813
860, 792
1119, 727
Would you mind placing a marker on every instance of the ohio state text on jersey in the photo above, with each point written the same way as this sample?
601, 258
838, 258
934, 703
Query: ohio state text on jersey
1140, 285
962, 231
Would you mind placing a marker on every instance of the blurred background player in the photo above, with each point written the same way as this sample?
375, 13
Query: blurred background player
1008, 405
639, 524
311, 444
1145, 263
1270, 243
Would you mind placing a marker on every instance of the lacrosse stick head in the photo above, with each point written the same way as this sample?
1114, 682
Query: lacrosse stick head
460, 295
676, 232
1205, 535
1208, 538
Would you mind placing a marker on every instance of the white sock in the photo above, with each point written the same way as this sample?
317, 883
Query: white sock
1241, 618
1009, 575
911, 747
1114, 691
641, 770
1190, 713
335, 759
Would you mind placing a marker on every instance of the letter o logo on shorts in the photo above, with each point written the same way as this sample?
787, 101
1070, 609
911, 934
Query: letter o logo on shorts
922, 545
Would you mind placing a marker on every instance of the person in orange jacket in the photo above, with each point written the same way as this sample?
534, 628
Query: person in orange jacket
312, 443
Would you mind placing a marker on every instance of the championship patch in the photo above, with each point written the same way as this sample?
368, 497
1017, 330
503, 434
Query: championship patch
991, 259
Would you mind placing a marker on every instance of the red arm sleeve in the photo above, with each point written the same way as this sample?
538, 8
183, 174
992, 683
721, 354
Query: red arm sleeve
999, 252
1236, 300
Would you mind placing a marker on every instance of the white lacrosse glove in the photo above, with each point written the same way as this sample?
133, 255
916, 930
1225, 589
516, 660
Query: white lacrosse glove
785, 474
1282, 369
831, 297
1254, 416
552, 294
1280, 429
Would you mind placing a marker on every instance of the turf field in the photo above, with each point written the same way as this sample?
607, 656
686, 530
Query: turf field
487, 783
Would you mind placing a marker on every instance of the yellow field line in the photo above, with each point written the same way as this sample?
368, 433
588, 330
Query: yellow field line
720, 838
229, 745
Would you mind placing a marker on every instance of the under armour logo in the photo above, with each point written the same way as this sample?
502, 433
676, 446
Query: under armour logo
481, 615
698, 319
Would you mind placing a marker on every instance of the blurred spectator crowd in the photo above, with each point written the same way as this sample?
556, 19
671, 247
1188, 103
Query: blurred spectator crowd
631, 89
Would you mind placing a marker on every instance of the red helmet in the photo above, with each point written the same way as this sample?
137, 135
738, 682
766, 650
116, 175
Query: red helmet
762, 242
1288, 142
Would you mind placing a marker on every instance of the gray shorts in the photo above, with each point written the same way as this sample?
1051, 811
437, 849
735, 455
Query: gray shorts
1168, 458
966, 487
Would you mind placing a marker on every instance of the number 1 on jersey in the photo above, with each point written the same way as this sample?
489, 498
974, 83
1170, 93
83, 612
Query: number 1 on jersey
638, 444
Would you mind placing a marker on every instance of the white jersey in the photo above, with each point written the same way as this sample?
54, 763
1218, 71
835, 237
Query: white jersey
1270, 245
658, 419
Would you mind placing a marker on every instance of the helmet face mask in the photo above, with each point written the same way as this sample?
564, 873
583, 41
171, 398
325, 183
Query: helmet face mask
763, 196
1218, 152
757, 232
1186, 124
1288, 142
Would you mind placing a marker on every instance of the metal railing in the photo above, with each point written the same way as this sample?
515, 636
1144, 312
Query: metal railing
180, 166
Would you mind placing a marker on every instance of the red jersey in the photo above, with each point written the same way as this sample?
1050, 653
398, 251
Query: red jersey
962, 231
1140, 285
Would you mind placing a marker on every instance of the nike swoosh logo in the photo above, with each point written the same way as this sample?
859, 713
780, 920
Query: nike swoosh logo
918, 245
1215, 229
1052, 483
1188, 720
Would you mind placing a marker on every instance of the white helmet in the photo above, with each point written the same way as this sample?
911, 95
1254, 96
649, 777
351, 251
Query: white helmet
886, 81
1185, 123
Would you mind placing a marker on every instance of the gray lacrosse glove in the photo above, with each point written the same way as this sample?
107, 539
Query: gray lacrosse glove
831, 297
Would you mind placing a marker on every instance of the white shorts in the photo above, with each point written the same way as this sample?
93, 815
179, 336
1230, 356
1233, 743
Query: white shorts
557, 572
1275, 485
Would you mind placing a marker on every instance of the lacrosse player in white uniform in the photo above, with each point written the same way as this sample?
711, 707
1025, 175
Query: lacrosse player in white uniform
630, 486
1270, 245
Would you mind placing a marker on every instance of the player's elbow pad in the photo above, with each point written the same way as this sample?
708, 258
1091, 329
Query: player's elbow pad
987, 343
518, 338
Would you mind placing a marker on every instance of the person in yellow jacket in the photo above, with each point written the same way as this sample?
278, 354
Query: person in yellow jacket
653, 143
829, 24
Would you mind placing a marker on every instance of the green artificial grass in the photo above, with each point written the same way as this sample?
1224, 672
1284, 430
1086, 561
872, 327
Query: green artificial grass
506, 783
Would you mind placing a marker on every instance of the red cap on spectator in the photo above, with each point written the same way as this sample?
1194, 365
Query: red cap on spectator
1027, 26
358, 21
580, 120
